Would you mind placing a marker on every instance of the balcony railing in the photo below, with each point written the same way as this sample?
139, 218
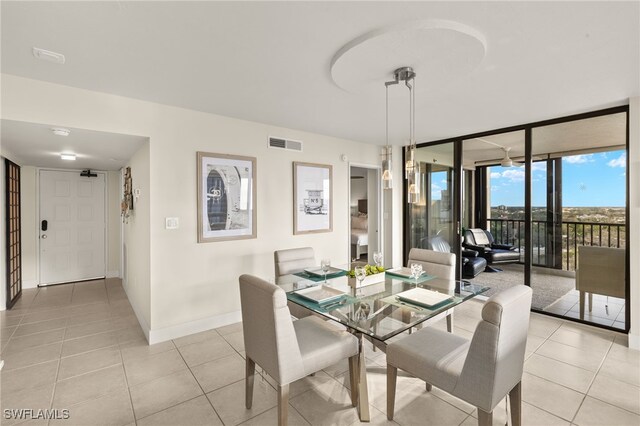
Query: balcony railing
571, 235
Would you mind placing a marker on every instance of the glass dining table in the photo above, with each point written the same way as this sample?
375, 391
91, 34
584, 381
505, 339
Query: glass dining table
377, 311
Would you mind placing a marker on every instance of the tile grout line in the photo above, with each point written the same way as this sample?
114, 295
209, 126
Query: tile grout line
465, 419
99, 369
598, 399
259, 371
21, 319
55, 383
591, 383
546, 339
196, 380
562, 362
126, 382
88, 352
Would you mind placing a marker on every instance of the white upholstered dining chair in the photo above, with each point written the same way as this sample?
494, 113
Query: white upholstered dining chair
437, 263
441, 265
481, 371
288, 350
292, 261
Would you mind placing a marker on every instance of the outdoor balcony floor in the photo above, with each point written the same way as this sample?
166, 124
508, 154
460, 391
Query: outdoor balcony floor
554, 292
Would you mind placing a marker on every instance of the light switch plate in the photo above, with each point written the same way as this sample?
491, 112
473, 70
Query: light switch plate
171, 223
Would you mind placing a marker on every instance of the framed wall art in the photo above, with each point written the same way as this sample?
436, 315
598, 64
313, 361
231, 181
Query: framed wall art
312, 198
226, 197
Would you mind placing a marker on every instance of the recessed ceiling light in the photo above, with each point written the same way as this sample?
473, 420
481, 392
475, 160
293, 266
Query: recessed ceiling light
69, 157
47, 55
59, 131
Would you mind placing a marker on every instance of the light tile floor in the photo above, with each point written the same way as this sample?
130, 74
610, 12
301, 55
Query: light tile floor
79, 347
608, 311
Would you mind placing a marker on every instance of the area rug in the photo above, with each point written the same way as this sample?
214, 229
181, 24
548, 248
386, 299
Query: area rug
547, 288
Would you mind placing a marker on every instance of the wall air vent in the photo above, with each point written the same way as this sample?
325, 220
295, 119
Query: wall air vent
287, 144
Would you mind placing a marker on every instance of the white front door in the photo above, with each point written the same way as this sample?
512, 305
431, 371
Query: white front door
71, 226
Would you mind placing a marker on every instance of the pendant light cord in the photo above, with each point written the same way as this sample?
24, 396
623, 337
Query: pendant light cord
413, 112
387, 116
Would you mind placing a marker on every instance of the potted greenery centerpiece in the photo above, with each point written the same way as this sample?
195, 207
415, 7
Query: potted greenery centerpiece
370, 274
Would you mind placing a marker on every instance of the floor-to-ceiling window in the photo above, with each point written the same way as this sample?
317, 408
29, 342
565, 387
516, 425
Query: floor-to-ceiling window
497, 163
556, 192
580, 209
433, 215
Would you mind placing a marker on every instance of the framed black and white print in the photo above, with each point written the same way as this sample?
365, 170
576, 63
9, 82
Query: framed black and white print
312, 198
226, 197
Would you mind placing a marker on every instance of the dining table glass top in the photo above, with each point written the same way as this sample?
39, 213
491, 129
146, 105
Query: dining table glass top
381, 309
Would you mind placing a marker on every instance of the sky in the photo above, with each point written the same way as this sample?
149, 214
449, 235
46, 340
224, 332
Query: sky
590, 180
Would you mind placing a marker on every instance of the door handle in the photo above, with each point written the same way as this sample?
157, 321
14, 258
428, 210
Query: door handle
44, 225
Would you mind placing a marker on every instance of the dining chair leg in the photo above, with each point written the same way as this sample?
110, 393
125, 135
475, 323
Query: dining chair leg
450, 322
484, 418
249, 375
392, 376
515, 398
363, 391
283, 404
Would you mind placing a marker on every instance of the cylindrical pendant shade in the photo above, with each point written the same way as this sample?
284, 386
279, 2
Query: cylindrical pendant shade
387, 173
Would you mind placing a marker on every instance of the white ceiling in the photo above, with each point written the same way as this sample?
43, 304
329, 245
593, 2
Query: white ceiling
271, 61
35, 145
594, 134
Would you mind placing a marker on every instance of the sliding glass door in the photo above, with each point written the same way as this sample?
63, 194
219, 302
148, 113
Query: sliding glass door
579, 219
434, 215
553, 198
497, 163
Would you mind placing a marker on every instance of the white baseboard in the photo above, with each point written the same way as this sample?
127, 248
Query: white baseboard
634, 342
204, 324
30, 284
113, 274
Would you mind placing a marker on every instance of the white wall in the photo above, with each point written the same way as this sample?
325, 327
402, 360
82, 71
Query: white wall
136, 238
373, 207
29, 224
194, 286
199, 281
114, 242
634, 219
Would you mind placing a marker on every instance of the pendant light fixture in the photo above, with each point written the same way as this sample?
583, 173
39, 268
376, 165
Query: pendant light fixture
411, 168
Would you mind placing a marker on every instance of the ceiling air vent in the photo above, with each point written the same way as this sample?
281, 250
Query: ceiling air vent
287, 144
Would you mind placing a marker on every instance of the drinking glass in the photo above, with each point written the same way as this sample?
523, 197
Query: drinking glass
416, 271
361, 274
377, 258
325, 264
